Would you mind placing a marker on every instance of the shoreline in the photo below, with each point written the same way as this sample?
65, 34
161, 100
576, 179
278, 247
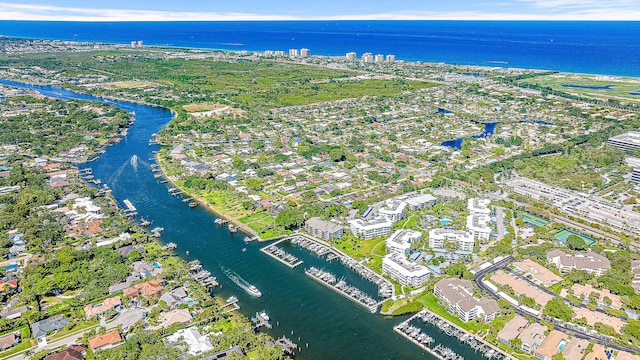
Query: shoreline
241, 227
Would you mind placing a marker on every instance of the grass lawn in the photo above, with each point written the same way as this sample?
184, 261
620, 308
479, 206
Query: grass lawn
356, 248
431, 302
225, 325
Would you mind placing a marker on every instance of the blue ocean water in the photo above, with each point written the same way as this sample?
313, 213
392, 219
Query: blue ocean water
593, 47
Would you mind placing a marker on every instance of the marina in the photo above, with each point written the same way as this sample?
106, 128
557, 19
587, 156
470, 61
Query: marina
341, 287
441, 352
280, 255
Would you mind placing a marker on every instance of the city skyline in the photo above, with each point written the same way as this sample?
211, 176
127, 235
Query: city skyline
189, 10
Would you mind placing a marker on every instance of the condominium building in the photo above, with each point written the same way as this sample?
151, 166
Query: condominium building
393, 210
379, 59
400, 241
403, 271
456, 295
370, 229
477, 226
635, 176
325, 230
627, 141
304, 52
420, 201
590, 262
367, 57
391, 58
438, 238
294, 52
351, 56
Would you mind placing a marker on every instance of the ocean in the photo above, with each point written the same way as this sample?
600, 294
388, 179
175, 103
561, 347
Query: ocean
592, 47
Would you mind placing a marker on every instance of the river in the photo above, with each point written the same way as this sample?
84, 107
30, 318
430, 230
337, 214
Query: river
332, 326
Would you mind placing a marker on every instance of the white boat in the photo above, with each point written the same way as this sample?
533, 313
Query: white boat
242, 283
264, 316
253, 291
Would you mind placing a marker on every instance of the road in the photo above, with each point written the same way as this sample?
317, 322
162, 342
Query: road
567, 328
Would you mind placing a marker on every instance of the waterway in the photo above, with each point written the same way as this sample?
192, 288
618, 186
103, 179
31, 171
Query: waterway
489, 129
334, 327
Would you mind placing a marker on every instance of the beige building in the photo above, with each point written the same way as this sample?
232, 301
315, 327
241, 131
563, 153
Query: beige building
537, 273
512, 329
550, 346
590, 262
456, 295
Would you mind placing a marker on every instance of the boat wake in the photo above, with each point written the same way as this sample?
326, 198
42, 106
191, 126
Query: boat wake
242, 283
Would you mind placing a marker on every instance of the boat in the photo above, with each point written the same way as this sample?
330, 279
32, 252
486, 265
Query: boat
233, 229
193, 204
242, 283
264, 316
244, 249
144, 222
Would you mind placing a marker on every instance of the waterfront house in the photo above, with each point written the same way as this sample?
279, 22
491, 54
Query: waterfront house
196, 342
531, 337
180, 316
174, 297
512, 329
574, 349
148, 289
551, 345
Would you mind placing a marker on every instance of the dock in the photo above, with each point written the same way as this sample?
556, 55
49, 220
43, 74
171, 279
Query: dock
261, 319
287, 345
341, 287
281, 256
230, 305
129, 205
416, 336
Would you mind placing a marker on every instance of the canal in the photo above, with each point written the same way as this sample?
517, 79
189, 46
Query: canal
333, 327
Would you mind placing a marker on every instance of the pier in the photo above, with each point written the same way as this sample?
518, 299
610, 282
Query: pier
202, 276
230, 305
281, 256
287, 345
341, 287
130, 209
416, 336
261, 319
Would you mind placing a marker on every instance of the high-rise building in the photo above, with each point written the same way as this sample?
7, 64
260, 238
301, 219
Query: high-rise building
139, 43
133, 44
304, 52
367, 57
379, 58
294, 52
391, 58
351, 56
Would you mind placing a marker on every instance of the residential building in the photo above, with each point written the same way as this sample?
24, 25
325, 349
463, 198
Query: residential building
635, 268
391, 58
105, 341
294, 52
551, 345
456, 295
627, 141
537, 273
478, 206
73, 352
181, 316
393, 210
420, 201
351, 56
304, 52
379, 58
149, 288
9, 340
106, 305
400, 241
635, 175
598, 353
590, 262
440, 238
477, 226
13, 313
196, 342
403, 271
367, 57
574, 349
512, 329
40, 329
174, 297
325, 230
370, 229
222, 354
532, 337
587, 290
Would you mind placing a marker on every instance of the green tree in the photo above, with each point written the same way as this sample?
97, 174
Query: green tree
290, 219
576, 243
557, 308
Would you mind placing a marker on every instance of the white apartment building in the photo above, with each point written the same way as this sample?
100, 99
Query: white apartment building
379, 59
351, 56
304, 52
405, 272
477, 226
463, 239
370, 229
391, 58
393, 210
400, 241
627, 141
456, 295
367, 57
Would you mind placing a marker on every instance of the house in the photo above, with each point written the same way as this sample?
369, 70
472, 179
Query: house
551, 345
597, 353
537, 273
531, 337
512, 329
574, 349
585, 291
196, 342
181, 316
127, 250
9, 340
143, 269
590, 262
456, 295
73, 352
325, 230
40, 329
148, 289
13, 313
222, 354
174, 297
99, 309
105, 341
400, 241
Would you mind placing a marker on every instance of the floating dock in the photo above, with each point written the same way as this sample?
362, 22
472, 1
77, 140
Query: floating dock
281, 256
341, 287
412, 334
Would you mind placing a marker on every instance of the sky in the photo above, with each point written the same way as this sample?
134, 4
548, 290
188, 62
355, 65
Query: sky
175, 10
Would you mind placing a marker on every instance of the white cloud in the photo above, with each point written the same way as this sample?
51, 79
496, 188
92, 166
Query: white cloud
574, 10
